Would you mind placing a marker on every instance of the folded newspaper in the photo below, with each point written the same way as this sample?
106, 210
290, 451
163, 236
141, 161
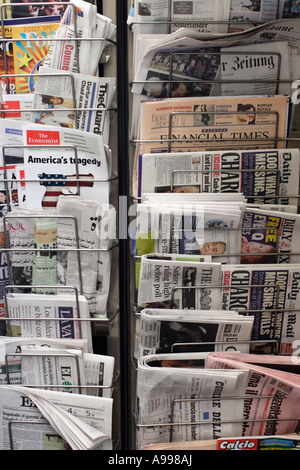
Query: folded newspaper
186, 225
263, 379
164, 331
93, 234
66, 370
270, 237
269, 292
80, 21
62, 94
166, 282
49, 316
179, 400
154, 17
224, 171
47, 420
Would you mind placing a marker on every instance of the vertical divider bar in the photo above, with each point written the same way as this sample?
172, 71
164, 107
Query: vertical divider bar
124, 253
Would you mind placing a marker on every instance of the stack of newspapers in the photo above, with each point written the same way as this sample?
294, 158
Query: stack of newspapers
57, 231
214, 16
215, 227
197, 397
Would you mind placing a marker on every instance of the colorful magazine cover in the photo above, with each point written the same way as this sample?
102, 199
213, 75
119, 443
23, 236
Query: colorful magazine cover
30, 52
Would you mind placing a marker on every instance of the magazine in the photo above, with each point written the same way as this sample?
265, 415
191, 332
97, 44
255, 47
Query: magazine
164, 331
29, 53
278, 442
19, 59
222, 171
61, 94
24, 11
163, 378
53, 171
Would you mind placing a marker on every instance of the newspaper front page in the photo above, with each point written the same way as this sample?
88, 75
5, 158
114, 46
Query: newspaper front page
164, 331
49, 316
90, 266
274, 302
159, 276
213, 123
163, 378
270, 237
190, 229
11, 347
57, 91
222, 171
282, 387
200, 17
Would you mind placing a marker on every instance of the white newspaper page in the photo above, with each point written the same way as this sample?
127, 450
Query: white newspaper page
158, 386
60, 94
222, 172
83, 423
164, 331
52, 316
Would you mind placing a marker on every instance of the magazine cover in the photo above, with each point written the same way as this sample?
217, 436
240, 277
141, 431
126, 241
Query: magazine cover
7, 61
53, 170
29, 53
25, 10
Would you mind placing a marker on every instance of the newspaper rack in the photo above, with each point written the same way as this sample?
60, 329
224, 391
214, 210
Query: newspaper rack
109, 320
171, 424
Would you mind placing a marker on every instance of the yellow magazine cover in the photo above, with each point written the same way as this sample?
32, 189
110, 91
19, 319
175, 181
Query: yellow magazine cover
30, 52
7, 84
